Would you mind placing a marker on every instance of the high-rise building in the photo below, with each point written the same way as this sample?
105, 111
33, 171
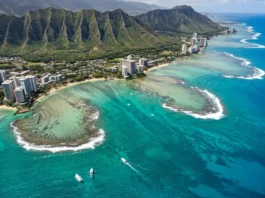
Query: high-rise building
2, 76
129, 57
130, 64
140, 69
33, 83
143, 62
25, 83
8, 87
20, 95
124, 71
16, 81
184, 48
195, 35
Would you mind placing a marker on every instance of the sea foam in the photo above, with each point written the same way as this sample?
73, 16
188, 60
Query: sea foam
256, 35
219, 114
258, 73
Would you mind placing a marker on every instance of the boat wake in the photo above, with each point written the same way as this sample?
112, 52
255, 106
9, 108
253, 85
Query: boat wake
93, 142
254, 37
219, 114
258, 73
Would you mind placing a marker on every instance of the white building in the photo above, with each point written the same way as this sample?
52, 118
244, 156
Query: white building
2, 76
195, 35
184, 49
130, 64
143, 62
26, 84
59, 77
140, 69
20, 95
45, 79
33, 83
202, 42
8, 87
16, 81
124, 71
56, 78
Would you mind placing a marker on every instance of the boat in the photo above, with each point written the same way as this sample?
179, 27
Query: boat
78, 178
124, 160
91, 172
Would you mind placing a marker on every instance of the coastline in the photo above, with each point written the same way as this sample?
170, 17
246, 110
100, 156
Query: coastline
5, 107
67, 86
157, 67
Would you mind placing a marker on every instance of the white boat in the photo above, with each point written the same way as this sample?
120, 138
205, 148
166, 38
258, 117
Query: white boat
91, 172
78, 178
124, 160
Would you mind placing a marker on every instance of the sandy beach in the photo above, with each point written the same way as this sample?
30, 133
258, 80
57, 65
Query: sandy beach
5, 107
69, 85
157, 67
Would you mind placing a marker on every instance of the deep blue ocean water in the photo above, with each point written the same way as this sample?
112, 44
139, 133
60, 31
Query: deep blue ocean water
171, 154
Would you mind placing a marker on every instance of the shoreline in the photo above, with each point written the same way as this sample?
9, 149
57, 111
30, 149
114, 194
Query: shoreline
52, 90
5, 107
157, 67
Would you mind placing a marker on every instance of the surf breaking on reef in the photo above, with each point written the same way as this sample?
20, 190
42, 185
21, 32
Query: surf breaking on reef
256, 35
258, 73
219, 114
93, 142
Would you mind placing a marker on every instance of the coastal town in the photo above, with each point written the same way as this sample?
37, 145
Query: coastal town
22, 83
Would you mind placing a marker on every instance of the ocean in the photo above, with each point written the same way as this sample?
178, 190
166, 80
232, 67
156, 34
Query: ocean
195, 128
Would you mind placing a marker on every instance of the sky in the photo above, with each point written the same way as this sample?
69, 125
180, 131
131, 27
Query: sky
249, 6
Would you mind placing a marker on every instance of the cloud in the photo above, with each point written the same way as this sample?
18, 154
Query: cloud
251, 6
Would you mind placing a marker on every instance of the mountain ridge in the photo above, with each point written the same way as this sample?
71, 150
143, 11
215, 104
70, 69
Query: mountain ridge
64, 29
180, 19
21, 7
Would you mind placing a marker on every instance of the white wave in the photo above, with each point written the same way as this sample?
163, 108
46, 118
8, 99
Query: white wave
258, 73
93, 142
211, 115
256, 35
94, 116
250, 29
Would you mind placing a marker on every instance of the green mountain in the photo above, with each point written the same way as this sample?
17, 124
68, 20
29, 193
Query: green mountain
21, 7
180, 19
84, 30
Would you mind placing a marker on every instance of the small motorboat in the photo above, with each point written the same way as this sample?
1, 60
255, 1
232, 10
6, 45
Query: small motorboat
78, 178
91, 172
124, 160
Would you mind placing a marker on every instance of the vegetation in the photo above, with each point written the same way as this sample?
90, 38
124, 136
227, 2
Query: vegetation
182, 20
61, 35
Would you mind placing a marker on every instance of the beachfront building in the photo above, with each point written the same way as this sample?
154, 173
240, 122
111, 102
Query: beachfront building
143, 62
184, 49
140, 69
56, 78
2, 76
16, 81
130, 64
33, 83
45, 79
20, 95
8, 87
196, 43
124, 71
202, 42
25, 83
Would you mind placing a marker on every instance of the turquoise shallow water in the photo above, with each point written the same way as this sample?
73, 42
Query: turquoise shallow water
171, 154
